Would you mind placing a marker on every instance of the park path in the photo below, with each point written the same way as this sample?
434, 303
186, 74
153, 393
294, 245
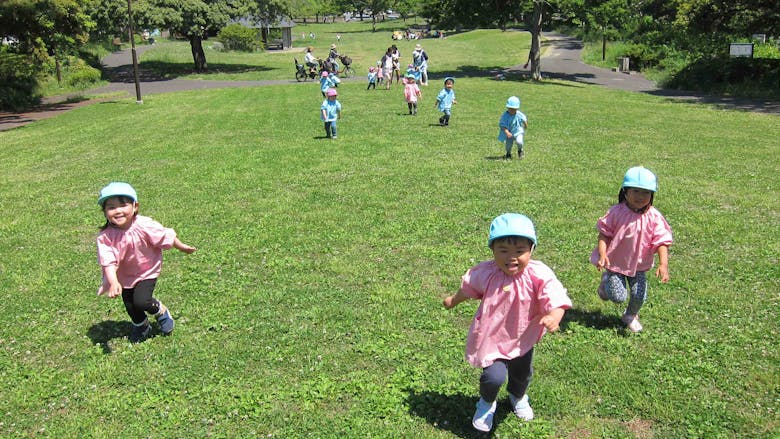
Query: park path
562, 60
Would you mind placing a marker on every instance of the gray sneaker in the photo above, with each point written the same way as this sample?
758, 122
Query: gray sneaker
140, 332
165, 321
632, 321
521, 407
483, 417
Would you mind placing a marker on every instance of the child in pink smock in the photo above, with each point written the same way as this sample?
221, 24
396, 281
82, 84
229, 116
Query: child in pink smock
521, 299
411, 93
630, 235
129, 249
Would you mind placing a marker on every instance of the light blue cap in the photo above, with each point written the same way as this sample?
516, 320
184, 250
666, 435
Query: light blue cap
512, 224
640, 178
449, 78
117, 189
513, 102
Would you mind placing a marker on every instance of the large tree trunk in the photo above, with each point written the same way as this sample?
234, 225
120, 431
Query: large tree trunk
536, 42
196, 45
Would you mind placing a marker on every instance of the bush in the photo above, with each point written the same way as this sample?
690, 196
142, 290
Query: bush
18, 81
238, 37
81, 75
744, 75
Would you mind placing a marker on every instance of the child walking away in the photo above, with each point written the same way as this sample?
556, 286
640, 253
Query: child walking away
630, 234
325, 82
520, 299
445, 100
330, 112
129, 249
371, 78
511, 127
411, 93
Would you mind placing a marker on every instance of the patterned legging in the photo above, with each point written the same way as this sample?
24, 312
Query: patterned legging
617, 291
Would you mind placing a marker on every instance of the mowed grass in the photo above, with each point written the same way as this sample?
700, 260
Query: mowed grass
313, 305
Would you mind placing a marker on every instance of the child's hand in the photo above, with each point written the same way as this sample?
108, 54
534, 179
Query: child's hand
188, 249
114, 290
448, 302
602, 263
662, 273
552, 320
453, 300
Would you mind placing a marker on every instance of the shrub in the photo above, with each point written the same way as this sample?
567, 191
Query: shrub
81, 75
719, 74
238, 37
18, 81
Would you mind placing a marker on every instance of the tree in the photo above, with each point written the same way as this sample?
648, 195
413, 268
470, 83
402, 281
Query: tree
196, 19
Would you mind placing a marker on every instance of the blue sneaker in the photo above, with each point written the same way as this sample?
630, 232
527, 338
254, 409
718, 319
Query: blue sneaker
483, 417
140, 332
165, 321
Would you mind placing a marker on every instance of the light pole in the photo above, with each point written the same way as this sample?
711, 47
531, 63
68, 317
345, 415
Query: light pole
138, 99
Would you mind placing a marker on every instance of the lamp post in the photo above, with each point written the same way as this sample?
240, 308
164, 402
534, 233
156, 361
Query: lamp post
138, 99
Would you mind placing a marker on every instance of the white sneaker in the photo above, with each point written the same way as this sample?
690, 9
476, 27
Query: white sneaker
483, 417
521, 407
632, 321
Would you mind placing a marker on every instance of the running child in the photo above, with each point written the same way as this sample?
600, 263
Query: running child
330, 112
411, 93
372, 75
445, 100
630, 234
512, 126
521, 298
129, 249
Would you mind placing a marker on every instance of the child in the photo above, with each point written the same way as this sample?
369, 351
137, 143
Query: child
330, 112
129, 249
630, 233
520, 299
411, 93
371, 78
325, 82
380, 77
412, 70
512, 126
445, 100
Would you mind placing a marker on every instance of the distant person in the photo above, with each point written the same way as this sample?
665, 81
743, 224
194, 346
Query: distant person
338, 38
521, 299
310, 60
630, 234
411, 94
512, 126
380, 74
311, 35
420, 61
333, 57
330, 113
326, 82
129, 249
445, 100
372, 75
396, 58
387, 67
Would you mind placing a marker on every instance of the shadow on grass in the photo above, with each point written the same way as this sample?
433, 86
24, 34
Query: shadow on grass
591, 319
107, 330
451, 413
150, 71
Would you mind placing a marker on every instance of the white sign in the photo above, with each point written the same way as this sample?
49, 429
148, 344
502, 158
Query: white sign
741, 49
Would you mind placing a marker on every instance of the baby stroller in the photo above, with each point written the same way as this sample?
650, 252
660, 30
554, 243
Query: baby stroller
304, 72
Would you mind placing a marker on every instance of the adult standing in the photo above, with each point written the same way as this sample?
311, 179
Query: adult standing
420, 61
387, 67
396, 55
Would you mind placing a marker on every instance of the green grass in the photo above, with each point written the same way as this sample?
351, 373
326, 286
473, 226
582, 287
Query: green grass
313, 305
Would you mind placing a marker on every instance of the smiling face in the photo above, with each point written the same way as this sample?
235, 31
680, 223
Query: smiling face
120, 211
637, 199
512, 254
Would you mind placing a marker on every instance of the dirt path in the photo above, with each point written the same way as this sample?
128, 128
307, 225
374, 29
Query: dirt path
561, 60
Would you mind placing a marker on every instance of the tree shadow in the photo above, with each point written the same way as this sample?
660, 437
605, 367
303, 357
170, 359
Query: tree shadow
102, 333
591, 319
452, 413
151, 71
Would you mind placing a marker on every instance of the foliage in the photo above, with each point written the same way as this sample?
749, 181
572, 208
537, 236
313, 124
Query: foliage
723, 75
313, 305
53, 26
238, 37
79, 74
18, 81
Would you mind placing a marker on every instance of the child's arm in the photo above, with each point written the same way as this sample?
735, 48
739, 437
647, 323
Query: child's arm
507, 132
182, 247
324, 114
603, 259
451, 301
114, 287
663, 264
552, 320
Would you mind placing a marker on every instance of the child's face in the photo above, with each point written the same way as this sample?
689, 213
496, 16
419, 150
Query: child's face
637, 199
120, 211
331, 98
512, 255
448, 85
512, 110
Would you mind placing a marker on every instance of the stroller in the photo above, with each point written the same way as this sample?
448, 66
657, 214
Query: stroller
304, 72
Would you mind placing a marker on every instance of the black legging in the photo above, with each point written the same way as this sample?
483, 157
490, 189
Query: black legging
139, 301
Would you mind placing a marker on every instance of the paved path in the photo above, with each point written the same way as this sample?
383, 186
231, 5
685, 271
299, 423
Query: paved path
562, 60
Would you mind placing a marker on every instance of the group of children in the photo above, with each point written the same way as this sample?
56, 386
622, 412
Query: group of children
521, 298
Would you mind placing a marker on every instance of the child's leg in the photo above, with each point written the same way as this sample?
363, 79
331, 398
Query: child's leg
137, 315
328, 129
139, 301
615, 287
638, 285
414, 108
447, 114
520, 143
520, 372
491, 380
333, 128
409, 104
508, 146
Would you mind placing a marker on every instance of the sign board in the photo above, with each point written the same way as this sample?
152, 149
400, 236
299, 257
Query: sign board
741, 50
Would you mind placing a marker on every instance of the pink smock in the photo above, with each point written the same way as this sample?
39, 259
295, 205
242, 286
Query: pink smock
136, 251
506, 324
632, 238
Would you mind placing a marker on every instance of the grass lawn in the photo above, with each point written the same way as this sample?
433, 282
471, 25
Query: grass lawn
313, 305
